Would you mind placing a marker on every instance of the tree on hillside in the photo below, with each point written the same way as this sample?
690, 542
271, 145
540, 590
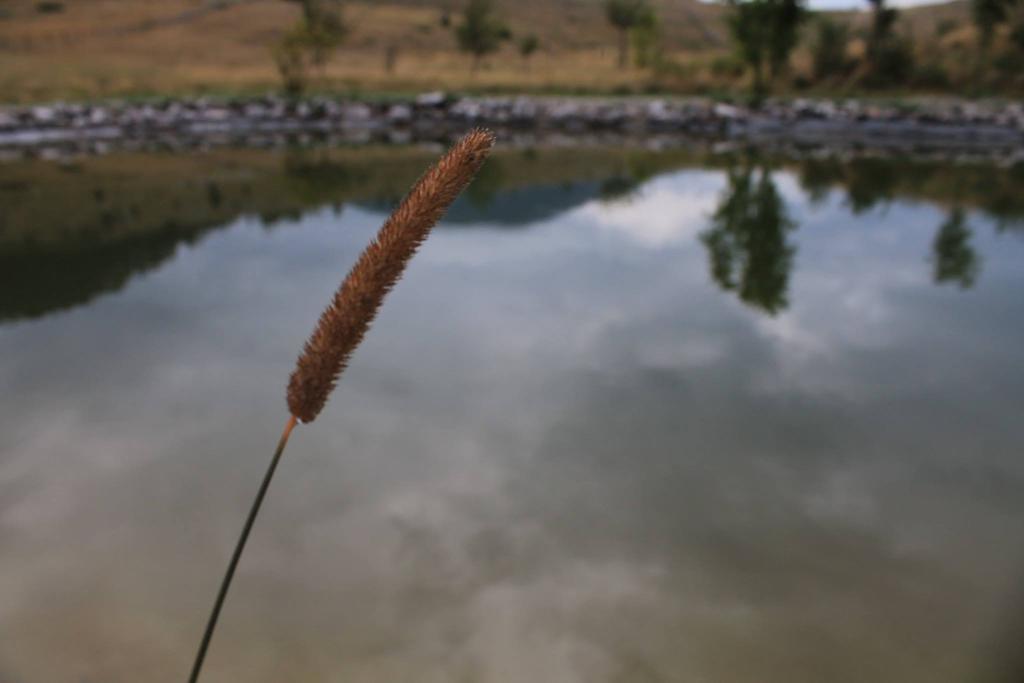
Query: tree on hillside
625, 15
889, 57
326, 27
480, 32
646, 38
828, 51
882, 21
310, 42
748, 23
784, 36
765, 33
987, 14
290, 57
527, 46
390, 58
1017, 32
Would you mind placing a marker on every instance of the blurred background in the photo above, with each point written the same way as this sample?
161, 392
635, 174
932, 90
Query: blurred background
714, 374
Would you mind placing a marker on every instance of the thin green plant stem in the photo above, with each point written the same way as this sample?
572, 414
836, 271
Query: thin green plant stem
211, 623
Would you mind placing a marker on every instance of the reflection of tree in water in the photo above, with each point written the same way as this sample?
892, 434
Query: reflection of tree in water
487, 184
624, 183
1003, 200
36, 281
746, 242
870, 182
867, 182
617, 187
312, 177
954, 258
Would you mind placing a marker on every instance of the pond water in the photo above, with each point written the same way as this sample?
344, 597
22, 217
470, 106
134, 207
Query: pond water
631, 415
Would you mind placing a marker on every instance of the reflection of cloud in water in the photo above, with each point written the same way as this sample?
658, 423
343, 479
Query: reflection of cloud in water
668, 210
560, 455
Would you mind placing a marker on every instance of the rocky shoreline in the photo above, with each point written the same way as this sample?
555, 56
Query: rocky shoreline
272, 120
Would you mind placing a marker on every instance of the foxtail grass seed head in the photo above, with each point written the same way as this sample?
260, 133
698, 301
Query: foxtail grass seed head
345, 320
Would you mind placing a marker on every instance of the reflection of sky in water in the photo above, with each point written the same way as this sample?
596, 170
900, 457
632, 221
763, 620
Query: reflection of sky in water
563, 454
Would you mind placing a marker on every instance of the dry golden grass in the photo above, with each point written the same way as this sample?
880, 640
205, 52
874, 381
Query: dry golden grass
96, 48
40, 77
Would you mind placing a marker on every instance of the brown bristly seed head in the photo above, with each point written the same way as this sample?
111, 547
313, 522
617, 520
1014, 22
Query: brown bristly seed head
345, 320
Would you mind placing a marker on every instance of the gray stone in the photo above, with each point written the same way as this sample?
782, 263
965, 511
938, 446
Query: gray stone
44, 114
436, 98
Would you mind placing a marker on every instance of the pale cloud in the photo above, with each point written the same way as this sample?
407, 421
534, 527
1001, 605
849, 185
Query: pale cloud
663, 212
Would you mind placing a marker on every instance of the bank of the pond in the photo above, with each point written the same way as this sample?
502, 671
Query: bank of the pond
269, 119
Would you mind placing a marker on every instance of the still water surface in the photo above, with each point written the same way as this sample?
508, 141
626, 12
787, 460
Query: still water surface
630, 417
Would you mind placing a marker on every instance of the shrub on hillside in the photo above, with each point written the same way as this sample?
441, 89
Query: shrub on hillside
727, 66
892, 63
49, 7
945, 27
931, 75
1017, 34
828, 52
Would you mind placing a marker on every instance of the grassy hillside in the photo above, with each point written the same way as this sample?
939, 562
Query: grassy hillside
77, 49
116, 47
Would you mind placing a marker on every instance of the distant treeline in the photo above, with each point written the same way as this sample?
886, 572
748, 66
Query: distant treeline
773, 43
